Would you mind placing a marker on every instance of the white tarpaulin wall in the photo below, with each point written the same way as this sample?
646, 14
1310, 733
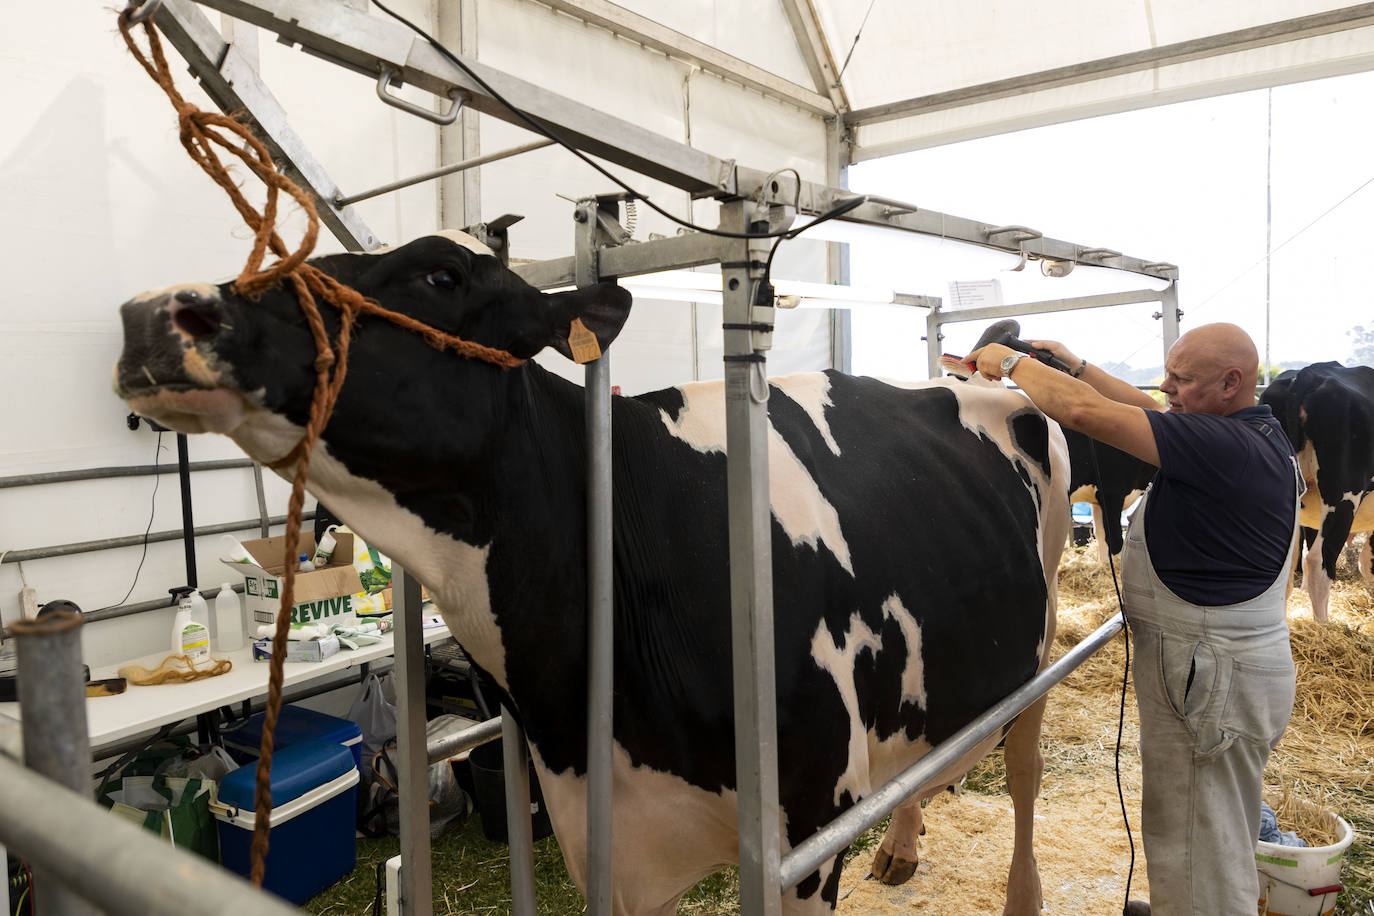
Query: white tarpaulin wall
102, 203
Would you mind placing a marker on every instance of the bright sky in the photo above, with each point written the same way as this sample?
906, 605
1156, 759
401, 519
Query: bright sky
1183, 183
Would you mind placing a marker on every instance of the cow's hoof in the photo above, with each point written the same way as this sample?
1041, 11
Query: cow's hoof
891, 870
1136, 908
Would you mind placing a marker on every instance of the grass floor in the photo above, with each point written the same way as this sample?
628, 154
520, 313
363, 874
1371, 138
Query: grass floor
472, 878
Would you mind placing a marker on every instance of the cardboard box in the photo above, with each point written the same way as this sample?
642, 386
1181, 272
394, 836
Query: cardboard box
298, 650
324, 595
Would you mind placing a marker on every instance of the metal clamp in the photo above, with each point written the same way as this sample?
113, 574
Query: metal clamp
1098, 254
1022, 233
442, 118
140, 11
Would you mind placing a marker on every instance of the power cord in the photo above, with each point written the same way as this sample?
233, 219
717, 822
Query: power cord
1125, 678
152, 512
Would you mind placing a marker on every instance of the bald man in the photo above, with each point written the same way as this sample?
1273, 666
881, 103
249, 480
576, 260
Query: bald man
1205, 575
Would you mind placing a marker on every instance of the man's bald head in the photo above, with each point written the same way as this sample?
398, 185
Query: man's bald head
1221, 365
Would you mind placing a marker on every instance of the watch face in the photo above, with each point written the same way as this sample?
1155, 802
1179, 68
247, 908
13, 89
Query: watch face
1009, 363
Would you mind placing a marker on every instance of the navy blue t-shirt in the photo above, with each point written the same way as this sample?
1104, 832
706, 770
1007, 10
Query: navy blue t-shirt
1220, 515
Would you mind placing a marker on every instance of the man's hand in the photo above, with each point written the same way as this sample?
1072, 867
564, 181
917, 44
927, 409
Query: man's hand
988, 360
1058, 351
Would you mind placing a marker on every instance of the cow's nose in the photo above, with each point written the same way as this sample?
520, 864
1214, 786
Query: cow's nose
195, 314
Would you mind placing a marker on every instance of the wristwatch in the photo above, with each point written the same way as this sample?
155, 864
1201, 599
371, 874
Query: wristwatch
1009, 363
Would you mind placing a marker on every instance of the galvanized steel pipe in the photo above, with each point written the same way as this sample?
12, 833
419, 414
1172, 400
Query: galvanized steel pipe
116, 865
52, 703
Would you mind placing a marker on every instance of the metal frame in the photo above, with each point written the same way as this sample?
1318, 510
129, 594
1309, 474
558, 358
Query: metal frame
750, 198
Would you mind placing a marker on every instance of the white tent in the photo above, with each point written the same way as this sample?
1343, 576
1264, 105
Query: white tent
691, 102
103, 203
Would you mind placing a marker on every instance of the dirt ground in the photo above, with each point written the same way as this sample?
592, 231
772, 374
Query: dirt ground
1081, 841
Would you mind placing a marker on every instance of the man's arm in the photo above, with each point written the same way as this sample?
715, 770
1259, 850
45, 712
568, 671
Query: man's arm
1078, 403
1109, 386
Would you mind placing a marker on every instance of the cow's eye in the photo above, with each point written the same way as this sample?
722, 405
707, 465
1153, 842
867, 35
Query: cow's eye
442, 278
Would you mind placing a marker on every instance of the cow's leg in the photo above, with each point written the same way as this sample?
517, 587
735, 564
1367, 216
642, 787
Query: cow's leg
1366, 562
899, 853
816, 894
1104, 552
1315, 580
1025, 766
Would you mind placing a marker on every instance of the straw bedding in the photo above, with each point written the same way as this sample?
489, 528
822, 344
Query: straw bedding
1323, 764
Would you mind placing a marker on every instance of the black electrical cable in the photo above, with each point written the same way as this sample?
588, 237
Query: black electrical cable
152, 512
1125, 677
543, 129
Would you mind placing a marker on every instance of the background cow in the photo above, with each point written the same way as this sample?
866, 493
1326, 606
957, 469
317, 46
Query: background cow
1109, 480
1327, 411
915, 540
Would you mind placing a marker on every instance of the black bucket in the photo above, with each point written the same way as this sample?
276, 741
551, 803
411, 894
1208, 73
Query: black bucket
487, 763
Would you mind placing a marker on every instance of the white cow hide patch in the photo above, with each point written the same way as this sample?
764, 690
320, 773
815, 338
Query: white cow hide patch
796, 501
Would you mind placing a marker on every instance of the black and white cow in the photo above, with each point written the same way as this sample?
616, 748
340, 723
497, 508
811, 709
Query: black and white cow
1327, 411
915, 538
1108, 479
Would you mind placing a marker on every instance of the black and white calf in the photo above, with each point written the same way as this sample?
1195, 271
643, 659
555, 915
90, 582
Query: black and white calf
1327, 411
915, 538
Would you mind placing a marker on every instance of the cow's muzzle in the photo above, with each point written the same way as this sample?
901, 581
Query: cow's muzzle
168, 370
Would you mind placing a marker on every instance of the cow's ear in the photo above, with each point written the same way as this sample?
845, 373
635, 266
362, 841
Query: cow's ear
585, 321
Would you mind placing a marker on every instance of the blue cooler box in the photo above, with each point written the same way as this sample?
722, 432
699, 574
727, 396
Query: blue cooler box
294, 725
314, 810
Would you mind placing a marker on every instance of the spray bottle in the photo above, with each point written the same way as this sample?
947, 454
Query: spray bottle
190, 627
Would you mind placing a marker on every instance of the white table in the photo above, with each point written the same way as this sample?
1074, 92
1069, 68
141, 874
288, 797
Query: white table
143, 710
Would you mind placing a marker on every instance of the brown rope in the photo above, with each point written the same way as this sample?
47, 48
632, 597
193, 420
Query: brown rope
200, 133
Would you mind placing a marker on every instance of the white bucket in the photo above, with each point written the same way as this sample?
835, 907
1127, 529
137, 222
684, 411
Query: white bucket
1301, 880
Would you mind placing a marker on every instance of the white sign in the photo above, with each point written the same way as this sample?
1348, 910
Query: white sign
974, 294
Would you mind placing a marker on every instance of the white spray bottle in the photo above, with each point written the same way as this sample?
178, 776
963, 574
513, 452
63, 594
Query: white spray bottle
190, 627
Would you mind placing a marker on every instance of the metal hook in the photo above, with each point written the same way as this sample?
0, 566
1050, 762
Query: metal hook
138, 12
443, 118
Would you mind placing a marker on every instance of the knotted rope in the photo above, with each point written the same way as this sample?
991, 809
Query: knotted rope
200, 133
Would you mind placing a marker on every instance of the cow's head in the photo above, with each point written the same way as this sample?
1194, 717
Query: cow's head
201, 358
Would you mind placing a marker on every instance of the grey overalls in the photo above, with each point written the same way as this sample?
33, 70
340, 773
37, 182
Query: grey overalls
1215, 687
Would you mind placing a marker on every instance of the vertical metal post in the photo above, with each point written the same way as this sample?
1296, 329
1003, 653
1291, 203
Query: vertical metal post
52, 700
751, 575
188, 526
519, 830
1168, 310
600, 625
417, 882
460, 196
837, 142
934, 321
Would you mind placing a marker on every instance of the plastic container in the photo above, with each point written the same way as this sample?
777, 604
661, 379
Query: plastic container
295, 724
486, 763
325, 551
305, 564
228, 619
231, 551
314, 806
190, 629
1302, 880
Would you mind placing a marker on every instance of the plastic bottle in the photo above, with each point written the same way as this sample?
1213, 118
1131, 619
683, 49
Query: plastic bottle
191, 627
231, 551
306, 565
228, 619
325, 550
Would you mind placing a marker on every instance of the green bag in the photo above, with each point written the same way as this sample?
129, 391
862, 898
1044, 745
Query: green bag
174, 807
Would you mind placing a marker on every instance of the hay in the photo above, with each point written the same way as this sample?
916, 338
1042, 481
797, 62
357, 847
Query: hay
1325, 763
